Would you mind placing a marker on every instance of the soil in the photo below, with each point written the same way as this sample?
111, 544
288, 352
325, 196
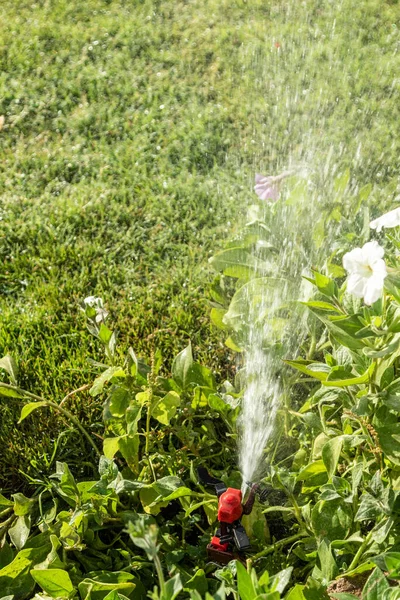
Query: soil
349, 585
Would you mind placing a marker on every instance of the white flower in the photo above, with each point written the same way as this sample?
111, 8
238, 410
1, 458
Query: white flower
390, 219
97, 304
367, 271
92, 301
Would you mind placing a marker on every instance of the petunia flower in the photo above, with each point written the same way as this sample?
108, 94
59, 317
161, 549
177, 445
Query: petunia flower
367, 271
95, 304
390, 219
267, 186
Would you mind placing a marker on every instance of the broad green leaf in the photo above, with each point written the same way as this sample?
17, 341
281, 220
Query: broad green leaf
105, 334
216, 316
111, 447
6, 554
118, 401
22, 504
341, 182
172, 588
19, 532
4, 503
106, 376
331, 454
181, 492
245, 583
28, 408
389, 439
325, 285
66, 485
197, 582
9, 392
375, 586
115, 596
129, 448
331, 519
318, 371
356, 380
8, 364
232, 345
392, 562
165, 408
310, 470
296, 593
182, 365
15, 577
239, 263
280, 581
327, 565
55, 582
325, 306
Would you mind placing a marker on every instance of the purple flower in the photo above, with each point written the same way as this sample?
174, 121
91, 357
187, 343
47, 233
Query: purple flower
267, 187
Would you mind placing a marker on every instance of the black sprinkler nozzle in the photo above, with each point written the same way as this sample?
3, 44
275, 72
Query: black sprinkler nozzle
262, 493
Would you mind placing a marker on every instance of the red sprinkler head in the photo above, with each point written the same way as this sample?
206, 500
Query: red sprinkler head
230, 506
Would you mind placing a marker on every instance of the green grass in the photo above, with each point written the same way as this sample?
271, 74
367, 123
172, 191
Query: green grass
132, 133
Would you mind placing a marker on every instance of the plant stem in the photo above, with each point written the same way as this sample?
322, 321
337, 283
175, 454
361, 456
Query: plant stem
80, 389
360, 551
76, 422
160, 575
280, 544
56, 406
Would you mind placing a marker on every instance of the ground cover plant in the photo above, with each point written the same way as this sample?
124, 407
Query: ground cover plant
112, 506
142, 520
130, 135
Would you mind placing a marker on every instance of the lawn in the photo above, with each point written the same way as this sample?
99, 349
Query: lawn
131, 136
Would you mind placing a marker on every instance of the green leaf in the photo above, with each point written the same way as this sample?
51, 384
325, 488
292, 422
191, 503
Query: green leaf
182, 365
66, 486
8, 364
115, 596
55, 582
325, 306
296, 593
356, 380
19, 532
375, 586
325, 285
9, 392
331, 519
280, 580
310, 470
318, 371
111, 447
197, 582
172, 588
106, 376
340, 183
331, 454
327, 564
239, 263
118, 401
105, 334
216, 316
389, 439
245, 583
28, 408
15, 577
4, 503
165, 408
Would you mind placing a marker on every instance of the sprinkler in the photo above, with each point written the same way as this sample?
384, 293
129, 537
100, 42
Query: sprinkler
230, 537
